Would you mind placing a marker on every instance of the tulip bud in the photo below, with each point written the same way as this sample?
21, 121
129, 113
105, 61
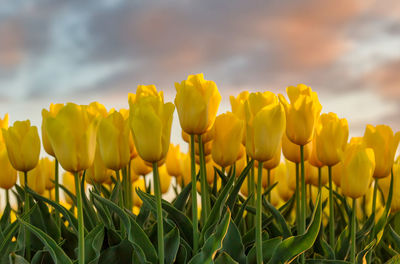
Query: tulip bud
301, 114
358, 168
384, 143
53, 111
72, 134
96, 109
172, 161
291, 151
331, 138
238, 109
265, 124
150, 122
197, 102
23, 145
227, 139
8, 176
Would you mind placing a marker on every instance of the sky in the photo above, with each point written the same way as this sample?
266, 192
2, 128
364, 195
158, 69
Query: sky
83, 51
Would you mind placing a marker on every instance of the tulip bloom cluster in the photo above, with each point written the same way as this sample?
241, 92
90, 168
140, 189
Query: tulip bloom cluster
276, 181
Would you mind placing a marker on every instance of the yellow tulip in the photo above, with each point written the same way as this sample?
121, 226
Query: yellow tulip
281, 176
139, 184
238, 109
331, 138
8, 175
23, 145
3, 124
275, 161
186, 170
313, 158
113, 141
301, 114
291, 174
311, 174
337, 173
244, 189
265, 124
98, 172
207, 158
291, 151
205, 137
384, 143
47, 170
384, 184
207, 147
96, 109
69, 183
172, 161
53, 111
150, 122
358, 168
72, 133
197, 102
165, 179
125, 113
139, 166
36, 179
227, 139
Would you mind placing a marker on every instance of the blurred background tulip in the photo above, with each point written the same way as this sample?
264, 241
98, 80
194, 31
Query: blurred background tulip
291, 151
53, 111
172, 161
237, 106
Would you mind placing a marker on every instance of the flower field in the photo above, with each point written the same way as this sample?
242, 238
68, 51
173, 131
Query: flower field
275, 180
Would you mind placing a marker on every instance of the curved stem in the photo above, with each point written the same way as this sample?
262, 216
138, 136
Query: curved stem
303, 207
194, 196
269, 183
258, 216
27, 208
160, 227
81, 227
353, 233
205, 201
331, 211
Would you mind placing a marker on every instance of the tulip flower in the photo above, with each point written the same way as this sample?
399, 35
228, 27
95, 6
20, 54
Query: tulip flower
172, 161
227, 139
113, 141
291, 151
98, 172
281, 176
47, 171
53, 110
314, 175
165, 179
69, 183
125, 113
238, 106
337, 173
275, 161
331, 138
36, 179
301, 114
8, 176
313, 158
206, 137
197, 102
139, 166
384, 184
96, 109
139, 184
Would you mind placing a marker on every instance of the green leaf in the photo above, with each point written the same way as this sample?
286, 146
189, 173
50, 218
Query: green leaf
15, 259
326, 261
56, 252
224, 258
279, 218
394, 260
213, 243
293, 246
138, 236
394, 235
182, 197
239, 215
361, 256
171, 245
104, 214
93, 244
90, 216
120, 253
268, 248
233, 244
343, 244
5, 218
235, 191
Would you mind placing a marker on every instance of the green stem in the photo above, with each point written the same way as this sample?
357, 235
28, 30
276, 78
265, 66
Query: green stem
81, 227
126, 183
205, 201
303, 194
27, 232
319, 179
7, 196
269, 183
258, 216
353, 233
160, 227
121, 198
374, 195
250, 190
130, 202
297, 196
331, 211
194, 196
57, 193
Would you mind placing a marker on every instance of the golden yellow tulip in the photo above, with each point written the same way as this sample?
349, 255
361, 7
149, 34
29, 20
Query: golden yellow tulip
165, 179
172, 161
207, 147
205, 137
238, 109
207, 158
384, 184
265, 125
8, 175
301, 114
275, 161
291, 174
72, 133
331, 138
96, 109
53, 111
311, 175
113, 141
36, 179
337, 173
139, 166
98, 172
197, 102
47, 170
281, 176
150, 122
358, 168
139, 184
313, 159
384, 143
3, 124
227, 139
69, 183
23, 145
125, 113
291, 151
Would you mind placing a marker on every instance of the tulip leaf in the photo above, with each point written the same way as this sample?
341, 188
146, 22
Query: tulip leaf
295, 245
268, 248
213, 243
103, 213
93, 244
5, 218
56, 252
233, 244
367, 227
394, 260
171, 245
343, 244
279, 218
16, 259
394, 235
69, 193
361, 256
326, 261
90, 215
121, 253
223, 177
181, 199
235, 191
224, 258
239, 215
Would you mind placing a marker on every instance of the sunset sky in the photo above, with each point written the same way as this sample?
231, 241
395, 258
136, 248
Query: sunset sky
83, 51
